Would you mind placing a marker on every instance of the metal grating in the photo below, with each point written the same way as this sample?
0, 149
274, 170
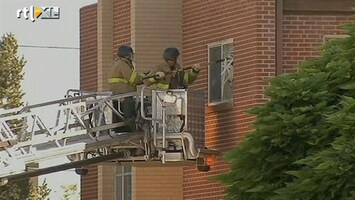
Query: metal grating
196, 116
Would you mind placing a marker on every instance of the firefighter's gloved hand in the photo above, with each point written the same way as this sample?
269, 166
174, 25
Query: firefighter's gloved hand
146, 73
159, 75
196, 68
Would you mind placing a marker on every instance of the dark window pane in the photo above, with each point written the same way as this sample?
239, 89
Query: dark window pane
119, 188
119, 170
127, 169
228, 90
227, 50
228, 72
128, 187
215, 74
123, 183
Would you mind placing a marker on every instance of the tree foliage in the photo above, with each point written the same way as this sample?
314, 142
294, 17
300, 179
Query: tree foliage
15, 191
303, 144
70, 192
39, 192
11, 74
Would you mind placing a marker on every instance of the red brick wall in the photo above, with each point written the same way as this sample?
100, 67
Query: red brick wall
121, 23
89, 184
303, 33
89, 66
251, 24
88, 48
88, 81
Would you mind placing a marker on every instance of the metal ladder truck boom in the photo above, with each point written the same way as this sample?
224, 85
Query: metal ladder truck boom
80, 127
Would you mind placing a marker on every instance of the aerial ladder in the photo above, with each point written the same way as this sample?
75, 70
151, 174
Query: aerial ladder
169, 124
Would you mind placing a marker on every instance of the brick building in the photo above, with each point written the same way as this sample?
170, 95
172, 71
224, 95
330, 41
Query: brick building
265, 38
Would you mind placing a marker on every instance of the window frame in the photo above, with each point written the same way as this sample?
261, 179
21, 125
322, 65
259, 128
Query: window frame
209, 46
124, 185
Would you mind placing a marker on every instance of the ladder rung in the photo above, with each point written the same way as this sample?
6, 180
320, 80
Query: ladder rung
40, 139
119, 139
53, 153
106, 127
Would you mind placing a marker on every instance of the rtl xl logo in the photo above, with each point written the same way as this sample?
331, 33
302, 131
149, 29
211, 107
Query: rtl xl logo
43, 12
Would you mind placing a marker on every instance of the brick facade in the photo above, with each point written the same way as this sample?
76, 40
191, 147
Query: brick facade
88, 48
155, 24
101, 34
155, 183
89, 184
89, 82
105, 42
302, 33
251, 26
121, 23
107, 181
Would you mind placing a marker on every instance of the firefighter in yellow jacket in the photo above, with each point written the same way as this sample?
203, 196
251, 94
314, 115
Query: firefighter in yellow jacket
123, 79
170, 75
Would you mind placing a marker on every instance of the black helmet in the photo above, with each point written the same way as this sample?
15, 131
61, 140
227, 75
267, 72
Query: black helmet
171, 53
125, 51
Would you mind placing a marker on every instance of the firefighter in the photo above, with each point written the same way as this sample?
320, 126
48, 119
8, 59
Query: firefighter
170, 75
124, 79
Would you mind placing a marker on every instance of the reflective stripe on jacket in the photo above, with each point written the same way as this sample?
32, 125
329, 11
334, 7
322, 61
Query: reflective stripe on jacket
174, 79
123, 77
132, 80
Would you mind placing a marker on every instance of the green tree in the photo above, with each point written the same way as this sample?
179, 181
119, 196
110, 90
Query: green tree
15, 191
329, 173
71, 192
39, 192
11, 74
299, 131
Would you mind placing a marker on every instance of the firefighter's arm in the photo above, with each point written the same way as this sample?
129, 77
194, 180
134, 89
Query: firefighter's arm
153, 76
191, 74
130, 75
114, 72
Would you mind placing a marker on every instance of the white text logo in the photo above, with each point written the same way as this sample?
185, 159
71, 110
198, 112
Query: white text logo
42, 12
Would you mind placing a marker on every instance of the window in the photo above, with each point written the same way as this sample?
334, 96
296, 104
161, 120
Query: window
220, 72
123, 183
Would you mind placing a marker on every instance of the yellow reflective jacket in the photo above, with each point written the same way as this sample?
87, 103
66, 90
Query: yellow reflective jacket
123, 78
174, 79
